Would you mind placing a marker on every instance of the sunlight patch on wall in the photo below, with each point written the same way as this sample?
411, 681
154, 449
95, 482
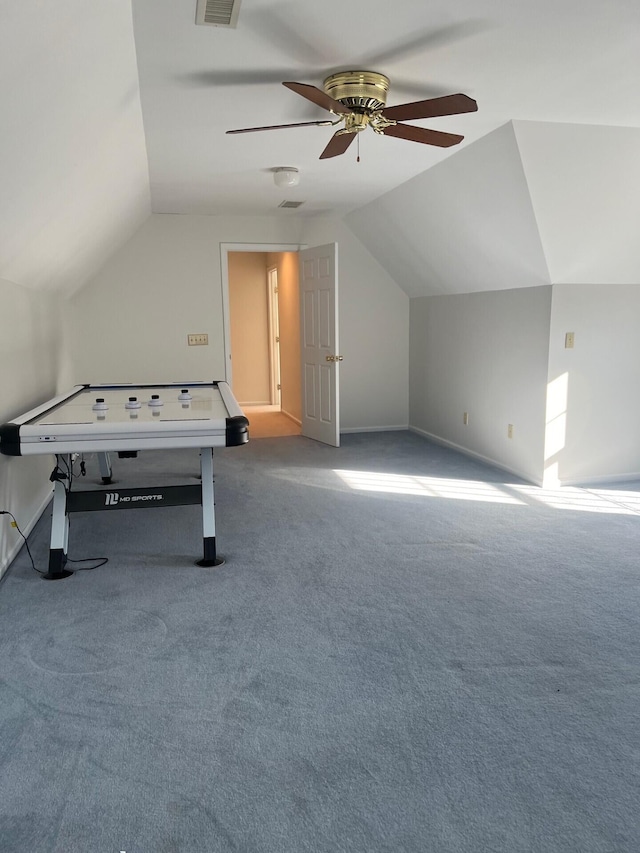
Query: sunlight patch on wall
556, 427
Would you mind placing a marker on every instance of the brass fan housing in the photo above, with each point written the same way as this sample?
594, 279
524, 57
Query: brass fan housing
364, 91
354, 123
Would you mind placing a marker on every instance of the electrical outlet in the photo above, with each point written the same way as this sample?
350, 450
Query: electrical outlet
465, 418
510, 431
568, 340
198, 340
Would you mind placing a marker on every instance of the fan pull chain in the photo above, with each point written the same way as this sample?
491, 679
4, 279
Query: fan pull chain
358, 145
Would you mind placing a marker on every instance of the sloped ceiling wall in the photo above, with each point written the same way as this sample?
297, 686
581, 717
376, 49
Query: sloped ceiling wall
465, 225
584, 185
73, 164
532, 203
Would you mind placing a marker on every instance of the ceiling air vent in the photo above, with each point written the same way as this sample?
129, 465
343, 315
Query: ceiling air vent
290, 203
217, 13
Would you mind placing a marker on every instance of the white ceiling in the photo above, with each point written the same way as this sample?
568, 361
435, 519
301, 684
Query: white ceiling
91, 118
576, 61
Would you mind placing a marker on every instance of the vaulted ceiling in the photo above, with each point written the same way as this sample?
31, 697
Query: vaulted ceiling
73, 166
532, 203
577, 61
112, 111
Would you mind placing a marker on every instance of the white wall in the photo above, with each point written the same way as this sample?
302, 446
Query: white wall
594, 406
485, 354
30, 342
131, 321
249, 319
75, 186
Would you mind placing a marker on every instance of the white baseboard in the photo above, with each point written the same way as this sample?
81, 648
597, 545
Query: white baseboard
585, 483
390, 428
292, 417
267, 407
26, 529
259, 407
472, 453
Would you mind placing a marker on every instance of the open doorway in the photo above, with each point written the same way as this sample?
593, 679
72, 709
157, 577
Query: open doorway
264, 329
312, 400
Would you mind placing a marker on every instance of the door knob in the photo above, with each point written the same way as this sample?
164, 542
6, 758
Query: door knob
335, 358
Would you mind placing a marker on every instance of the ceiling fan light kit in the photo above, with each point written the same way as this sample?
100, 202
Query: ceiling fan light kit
358, 99
286, 176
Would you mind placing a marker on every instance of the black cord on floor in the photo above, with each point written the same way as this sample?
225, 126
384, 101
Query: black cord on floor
100, 560
17, 527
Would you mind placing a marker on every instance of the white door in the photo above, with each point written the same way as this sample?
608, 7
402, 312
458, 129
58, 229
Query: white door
319, 343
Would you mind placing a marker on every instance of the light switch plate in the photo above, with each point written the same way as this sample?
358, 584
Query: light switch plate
198, 340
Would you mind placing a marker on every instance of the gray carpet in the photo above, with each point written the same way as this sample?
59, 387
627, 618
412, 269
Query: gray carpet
451, 666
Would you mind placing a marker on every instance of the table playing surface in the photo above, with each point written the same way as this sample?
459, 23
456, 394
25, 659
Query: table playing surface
108, 417
206, 403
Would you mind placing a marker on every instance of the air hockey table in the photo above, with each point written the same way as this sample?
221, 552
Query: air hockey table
122, 418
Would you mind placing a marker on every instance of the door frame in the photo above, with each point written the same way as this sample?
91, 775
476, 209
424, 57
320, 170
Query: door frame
274, 337
225, 248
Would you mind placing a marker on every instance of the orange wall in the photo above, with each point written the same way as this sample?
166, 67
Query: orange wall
248, 311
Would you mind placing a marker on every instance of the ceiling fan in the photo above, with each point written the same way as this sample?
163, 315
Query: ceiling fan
358, 99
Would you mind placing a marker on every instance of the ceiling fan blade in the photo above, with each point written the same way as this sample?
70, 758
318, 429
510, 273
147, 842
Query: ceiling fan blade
246, 77
275, 28
423, 134
326, 123
402, 86
430, 39
317, 96
338, 144
447, 106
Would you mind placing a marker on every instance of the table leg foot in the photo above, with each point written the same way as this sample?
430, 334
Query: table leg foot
210, 557
57, 561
